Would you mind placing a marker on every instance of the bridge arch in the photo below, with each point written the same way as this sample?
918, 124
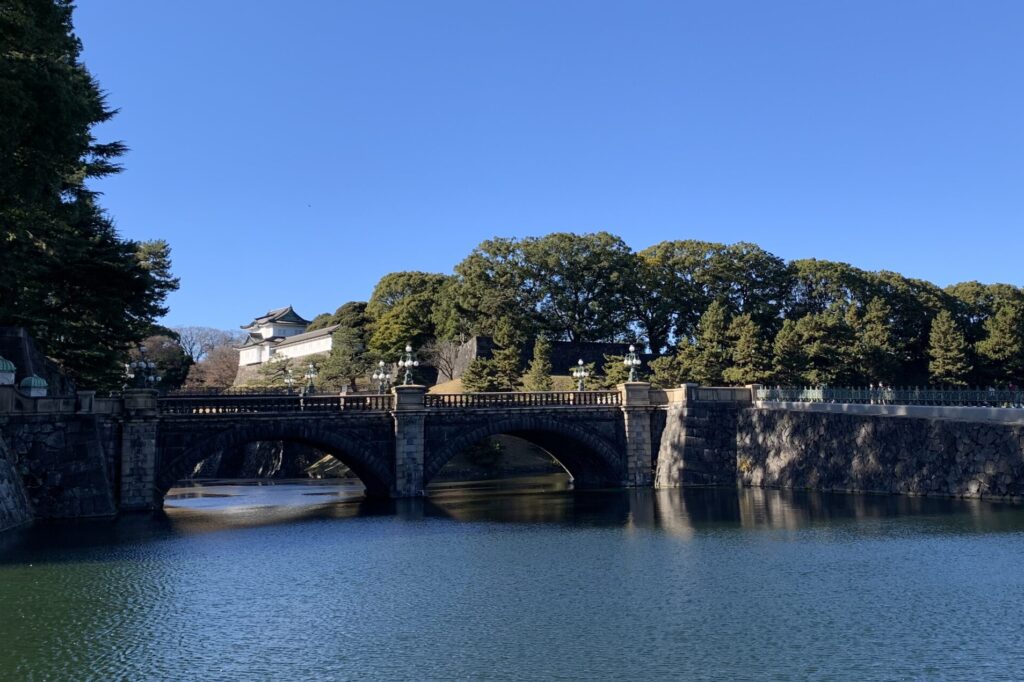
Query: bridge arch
590, 459
373, 467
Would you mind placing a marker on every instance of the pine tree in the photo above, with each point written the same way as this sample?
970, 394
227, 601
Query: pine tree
788, 356
874, 352
614, 371
83, 292
346, 363
1002, 349
667, 372
712, 353
751, 360
949, 352
538, 377
480, 377
506, 359
276, 372
825, 340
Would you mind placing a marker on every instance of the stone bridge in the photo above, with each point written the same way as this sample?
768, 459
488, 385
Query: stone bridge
142, 443
83, 456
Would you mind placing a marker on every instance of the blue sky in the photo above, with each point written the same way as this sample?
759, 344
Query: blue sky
292, 153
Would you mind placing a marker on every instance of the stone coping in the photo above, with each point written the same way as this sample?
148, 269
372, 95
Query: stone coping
998, 415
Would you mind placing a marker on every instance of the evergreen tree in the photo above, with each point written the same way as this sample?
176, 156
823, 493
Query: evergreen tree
1002, 349
667, 372
480, 377
825, 339
346, 362
506, 358
277, 373
949, 352
712, 353
788, 356
874, 353
84, 293
538, 377
751, 359
614, 371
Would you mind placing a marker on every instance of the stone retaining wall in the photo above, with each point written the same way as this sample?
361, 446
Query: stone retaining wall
698, 445
14, 507
62, 465
869, 453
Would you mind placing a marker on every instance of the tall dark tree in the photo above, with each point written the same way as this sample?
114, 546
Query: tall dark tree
83, 292
713, 352
538, 376
750, 356
874, 358
825, 340
949, 351
788, 359
1001, 352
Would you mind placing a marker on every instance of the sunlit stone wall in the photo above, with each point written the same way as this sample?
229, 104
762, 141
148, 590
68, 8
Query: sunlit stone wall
890, 454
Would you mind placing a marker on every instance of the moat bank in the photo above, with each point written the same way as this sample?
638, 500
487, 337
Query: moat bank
522, 582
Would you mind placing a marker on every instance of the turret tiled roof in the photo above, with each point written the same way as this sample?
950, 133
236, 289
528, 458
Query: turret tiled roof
285, 316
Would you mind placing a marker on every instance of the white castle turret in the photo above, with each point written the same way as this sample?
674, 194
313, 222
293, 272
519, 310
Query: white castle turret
282, 333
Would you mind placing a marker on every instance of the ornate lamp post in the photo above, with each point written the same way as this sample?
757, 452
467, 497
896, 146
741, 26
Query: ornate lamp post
382, 377
289, 379
580, 374
408, 362
310, 377
632, 360
142, 371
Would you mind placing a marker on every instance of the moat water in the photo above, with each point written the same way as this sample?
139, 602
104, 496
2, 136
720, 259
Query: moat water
520, 579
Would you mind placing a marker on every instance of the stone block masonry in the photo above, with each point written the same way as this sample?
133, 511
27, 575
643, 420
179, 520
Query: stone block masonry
882, 454
698, 445
14, 507
62, 465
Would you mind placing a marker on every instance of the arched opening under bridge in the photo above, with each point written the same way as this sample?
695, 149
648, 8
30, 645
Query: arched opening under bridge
524, 446
294, 450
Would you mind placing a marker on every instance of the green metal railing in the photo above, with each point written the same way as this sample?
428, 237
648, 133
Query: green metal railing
961, 397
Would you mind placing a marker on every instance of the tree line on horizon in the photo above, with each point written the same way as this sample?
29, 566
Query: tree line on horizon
705, 312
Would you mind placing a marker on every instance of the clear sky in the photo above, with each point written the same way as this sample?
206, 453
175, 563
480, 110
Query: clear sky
294, 152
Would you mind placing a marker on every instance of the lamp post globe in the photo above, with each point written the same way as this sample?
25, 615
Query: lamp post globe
382, 377
632, 361
408, 362
580, 373
310, 377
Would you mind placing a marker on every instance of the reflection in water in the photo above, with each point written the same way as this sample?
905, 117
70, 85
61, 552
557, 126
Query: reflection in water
523, 578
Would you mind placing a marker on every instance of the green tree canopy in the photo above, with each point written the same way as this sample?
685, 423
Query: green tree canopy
401, 312
83, 292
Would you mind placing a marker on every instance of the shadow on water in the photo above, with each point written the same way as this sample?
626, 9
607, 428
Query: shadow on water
547, 499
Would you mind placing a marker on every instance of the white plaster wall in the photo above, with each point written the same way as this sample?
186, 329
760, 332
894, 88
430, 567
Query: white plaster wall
298, 350
249, 356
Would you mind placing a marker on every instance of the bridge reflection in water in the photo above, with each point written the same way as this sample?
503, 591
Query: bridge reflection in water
550, 499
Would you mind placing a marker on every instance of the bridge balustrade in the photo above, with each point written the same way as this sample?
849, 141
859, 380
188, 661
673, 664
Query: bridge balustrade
272, 403
523, 399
